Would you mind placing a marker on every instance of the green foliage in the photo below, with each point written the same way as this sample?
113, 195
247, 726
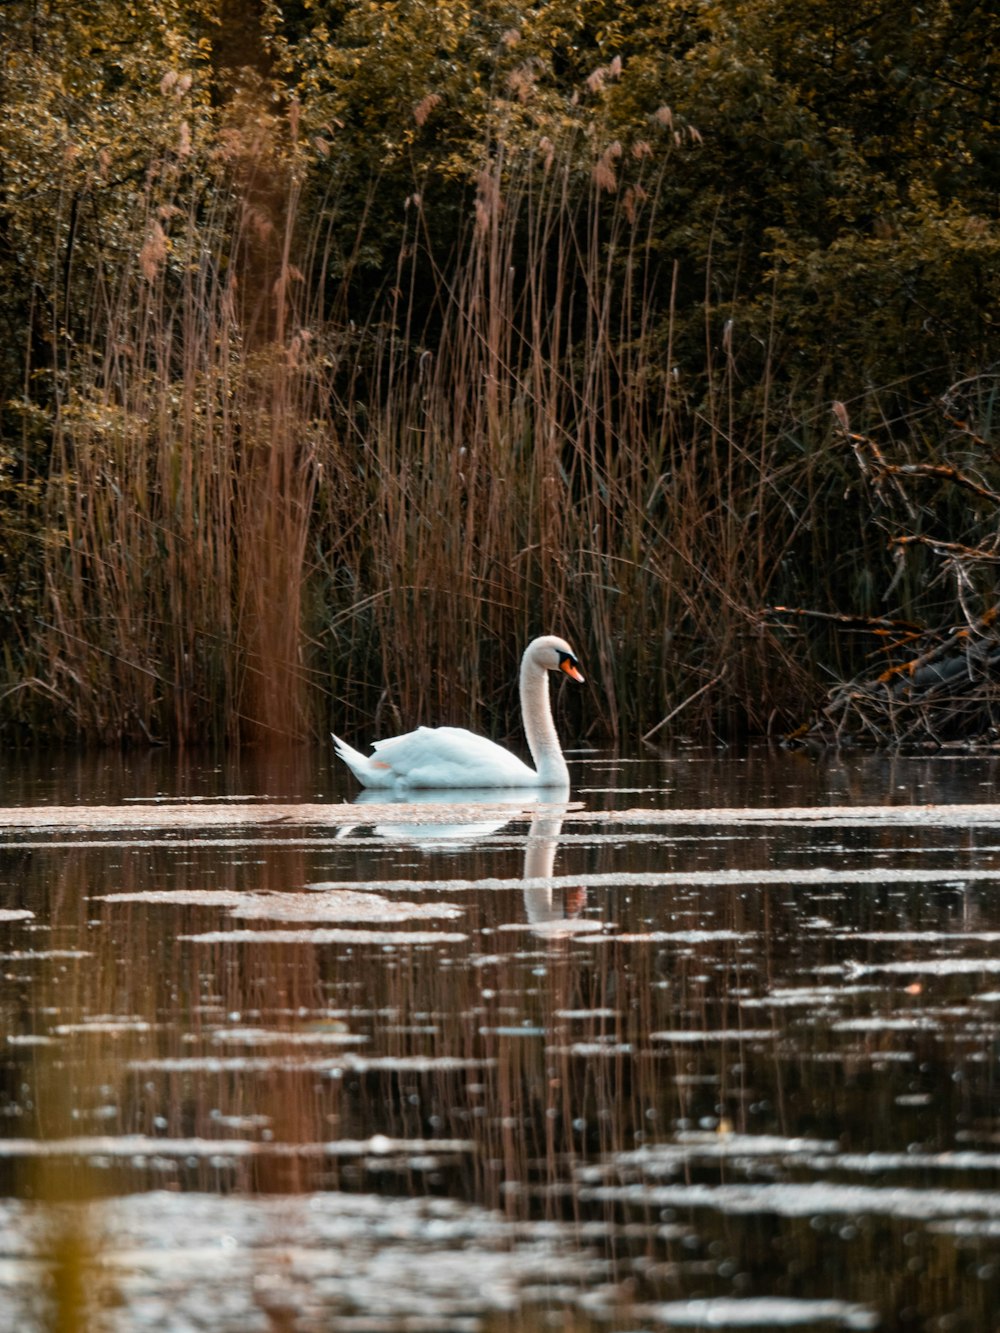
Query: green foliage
94, 93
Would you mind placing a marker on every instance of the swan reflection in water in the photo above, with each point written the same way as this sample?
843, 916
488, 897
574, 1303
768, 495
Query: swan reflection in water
551, 908
433, 835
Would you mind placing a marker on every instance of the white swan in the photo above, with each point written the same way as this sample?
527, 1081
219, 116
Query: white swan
437, 757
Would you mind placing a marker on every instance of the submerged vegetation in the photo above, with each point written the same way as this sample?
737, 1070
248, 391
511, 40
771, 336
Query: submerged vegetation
346, 346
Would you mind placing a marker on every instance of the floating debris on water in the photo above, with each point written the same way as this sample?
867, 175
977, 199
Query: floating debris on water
761, 1312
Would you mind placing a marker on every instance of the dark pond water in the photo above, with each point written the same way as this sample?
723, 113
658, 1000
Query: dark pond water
717, 1045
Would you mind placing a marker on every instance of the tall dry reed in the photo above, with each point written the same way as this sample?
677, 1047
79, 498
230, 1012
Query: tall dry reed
537, 464
184, 477
275, 508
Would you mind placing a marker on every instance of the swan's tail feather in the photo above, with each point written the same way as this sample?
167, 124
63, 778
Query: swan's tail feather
369, 772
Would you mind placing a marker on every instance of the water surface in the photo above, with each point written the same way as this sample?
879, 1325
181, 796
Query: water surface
714, 1044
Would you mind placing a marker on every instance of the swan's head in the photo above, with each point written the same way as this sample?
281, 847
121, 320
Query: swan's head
554, 654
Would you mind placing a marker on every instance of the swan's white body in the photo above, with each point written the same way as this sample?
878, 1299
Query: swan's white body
451, 757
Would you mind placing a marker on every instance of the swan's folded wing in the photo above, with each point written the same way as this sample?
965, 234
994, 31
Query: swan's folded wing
452, 757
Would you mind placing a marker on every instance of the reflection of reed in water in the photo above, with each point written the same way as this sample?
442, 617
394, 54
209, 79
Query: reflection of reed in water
66, 1080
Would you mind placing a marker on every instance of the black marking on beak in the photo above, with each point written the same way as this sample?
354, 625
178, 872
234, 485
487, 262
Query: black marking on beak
569, 664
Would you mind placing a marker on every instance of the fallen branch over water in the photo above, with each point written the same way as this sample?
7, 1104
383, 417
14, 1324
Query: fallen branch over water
938, 685
689, 700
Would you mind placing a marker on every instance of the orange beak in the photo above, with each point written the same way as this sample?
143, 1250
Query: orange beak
571, 669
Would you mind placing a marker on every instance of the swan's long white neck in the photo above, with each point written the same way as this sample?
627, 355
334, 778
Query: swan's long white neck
539, 728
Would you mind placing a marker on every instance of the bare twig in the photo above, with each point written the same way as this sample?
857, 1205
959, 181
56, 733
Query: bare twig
877, 624
940, 472
948, 548
689, 700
